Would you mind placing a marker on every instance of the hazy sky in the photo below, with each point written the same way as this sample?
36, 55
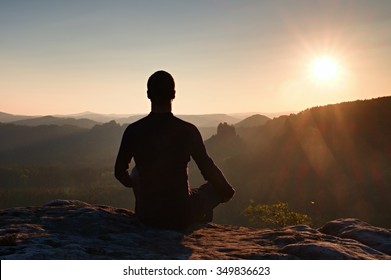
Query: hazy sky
226, 56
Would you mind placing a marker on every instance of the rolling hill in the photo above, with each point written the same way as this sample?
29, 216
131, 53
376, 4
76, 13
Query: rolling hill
50, 120
5, 117
254, 120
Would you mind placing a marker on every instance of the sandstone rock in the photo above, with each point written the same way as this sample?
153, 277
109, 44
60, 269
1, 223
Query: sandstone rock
67, 229
375, 237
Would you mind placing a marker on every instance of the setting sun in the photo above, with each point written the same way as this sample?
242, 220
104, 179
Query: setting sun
324, 68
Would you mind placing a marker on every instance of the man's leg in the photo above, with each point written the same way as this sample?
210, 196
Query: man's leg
202, 202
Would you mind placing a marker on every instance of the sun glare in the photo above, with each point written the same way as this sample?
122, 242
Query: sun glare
324, 69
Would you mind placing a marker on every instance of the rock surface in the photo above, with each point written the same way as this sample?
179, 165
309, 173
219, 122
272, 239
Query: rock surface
65, 229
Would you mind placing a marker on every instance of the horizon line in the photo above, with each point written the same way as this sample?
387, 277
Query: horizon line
146, 113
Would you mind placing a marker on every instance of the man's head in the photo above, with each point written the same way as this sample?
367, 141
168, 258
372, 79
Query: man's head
161, 87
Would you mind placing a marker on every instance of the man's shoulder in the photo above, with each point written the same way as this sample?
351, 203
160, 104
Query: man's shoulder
136, 124
152, 120
185, 124
141, 120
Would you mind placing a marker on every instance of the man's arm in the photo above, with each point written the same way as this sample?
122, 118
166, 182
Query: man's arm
122, 162
209, 170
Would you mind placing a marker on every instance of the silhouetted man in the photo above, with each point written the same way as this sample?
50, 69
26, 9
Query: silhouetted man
161, 145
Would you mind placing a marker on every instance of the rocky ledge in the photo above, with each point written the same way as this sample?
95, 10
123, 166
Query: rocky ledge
64, 229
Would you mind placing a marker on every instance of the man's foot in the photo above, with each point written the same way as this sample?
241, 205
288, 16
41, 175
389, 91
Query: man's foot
208, 216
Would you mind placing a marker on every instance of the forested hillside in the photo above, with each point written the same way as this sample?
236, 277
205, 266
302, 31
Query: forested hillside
331, 161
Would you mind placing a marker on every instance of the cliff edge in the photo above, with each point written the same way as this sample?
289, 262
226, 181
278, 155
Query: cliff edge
70, 229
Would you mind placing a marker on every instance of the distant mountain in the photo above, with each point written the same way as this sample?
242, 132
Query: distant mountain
204, 121
207, 124
50, 120
5, 117
255, 120
267, 114
208, 120
89, 119
101, 118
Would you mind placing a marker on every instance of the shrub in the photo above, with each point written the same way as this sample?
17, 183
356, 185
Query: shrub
276, 215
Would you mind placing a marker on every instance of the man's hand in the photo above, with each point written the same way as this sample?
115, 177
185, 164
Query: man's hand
134, 177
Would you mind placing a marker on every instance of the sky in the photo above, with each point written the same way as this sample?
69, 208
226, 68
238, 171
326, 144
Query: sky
65, 57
